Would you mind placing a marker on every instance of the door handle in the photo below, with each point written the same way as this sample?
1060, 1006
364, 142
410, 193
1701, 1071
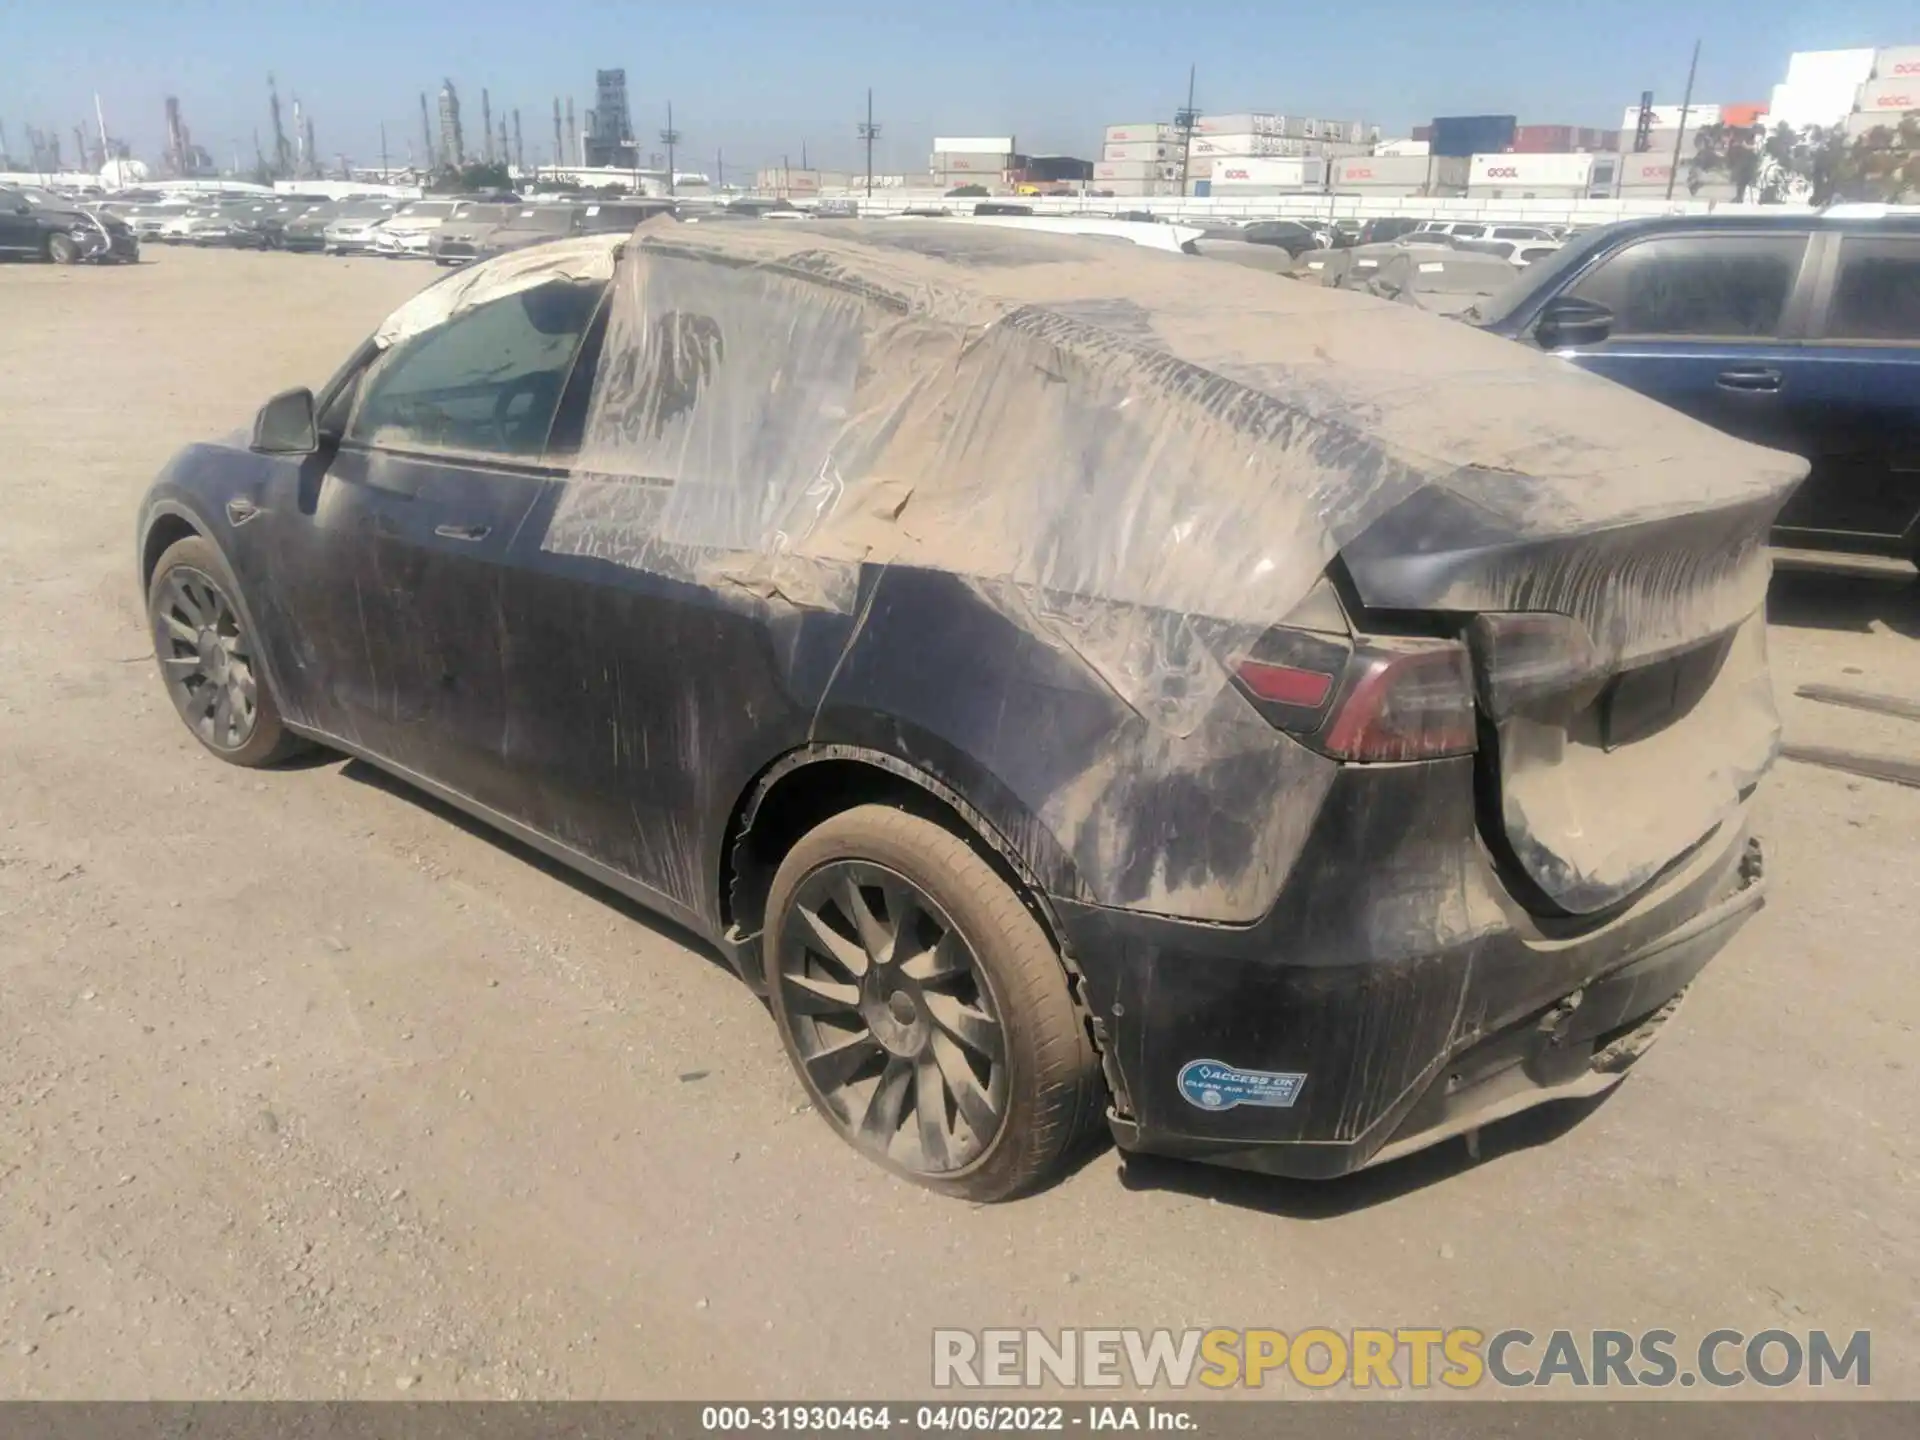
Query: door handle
1756, 378
463, 532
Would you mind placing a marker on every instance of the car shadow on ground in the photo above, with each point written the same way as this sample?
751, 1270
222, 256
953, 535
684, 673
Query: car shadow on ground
1292, 1199
371, 775
1332, 1199
1842, 595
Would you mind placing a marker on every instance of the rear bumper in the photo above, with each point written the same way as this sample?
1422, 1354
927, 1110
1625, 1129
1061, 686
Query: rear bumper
1394, 996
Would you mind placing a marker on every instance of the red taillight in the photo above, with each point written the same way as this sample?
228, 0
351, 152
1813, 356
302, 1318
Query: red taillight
1286, 684
1404, 700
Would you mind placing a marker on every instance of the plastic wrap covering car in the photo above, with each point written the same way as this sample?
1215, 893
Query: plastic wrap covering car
1445, 282
1144, 463
1273, 259
588, 258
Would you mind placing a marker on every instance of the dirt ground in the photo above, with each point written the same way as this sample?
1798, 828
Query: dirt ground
309, 1089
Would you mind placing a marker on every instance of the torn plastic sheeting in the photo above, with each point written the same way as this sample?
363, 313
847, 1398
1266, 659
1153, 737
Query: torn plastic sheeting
1098, 426
1593, 814
1449, 282
588, 258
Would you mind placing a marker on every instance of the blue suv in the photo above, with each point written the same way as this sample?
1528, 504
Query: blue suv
1797, 331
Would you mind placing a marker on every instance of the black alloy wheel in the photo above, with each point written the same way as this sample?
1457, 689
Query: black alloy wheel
925, 1008
894, 1024
209, 662
62, 250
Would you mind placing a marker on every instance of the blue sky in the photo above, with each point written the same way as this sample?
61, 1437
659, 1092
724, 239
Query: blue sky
758, 79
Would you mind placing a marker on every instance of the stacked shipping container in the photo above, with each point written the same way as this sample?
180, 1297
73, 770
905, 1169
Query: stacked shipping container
1394, 176
972, 160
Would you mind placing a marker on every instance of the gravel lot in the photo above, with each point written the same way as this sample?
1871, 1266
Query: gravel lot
309, 1089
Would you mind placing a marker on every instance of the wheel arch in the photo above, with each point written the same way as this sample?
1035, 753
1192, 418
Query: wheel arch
806, 786
166, 528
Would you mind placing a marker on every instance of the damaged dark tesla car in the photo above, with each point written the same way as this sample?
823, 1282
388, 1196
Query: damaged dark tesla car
1063, 679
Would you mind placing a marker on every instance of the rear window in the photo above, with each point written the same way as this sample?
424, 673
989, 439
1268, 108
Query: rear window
1698, 285
1876, 294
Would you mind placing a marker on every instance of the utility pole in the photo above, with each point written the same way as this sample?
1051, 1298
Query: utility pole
1686, 104
869, 132
486, 125
383, 153
719, 170
519, 150
556, 131
1184, 121
670, 137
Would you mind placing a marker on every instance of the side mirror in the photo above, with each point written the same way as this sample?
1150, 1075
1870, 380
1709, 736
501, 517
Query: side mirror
1567, 320
285, 425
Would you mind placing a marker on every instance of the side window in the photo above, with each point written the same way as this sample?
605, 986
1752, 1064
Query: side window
1470, 232
487, 381
1876, 295
1698, 285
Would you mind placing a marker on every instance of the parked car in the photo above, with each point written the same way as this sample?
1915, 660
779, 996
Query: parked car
1519, 253
1798, 331
307, 231
1290, 235
457, 241
1255, 762
40, 225
353, 230
530, 225
1383, 228
407, 234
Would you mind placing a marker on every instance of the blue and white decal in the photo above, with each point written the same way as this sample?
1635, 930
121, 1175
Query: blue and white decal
1214, 1085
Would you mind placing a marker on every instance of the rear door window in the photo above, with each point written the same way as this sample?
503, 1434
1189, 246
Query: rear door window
1705, 286
1876, 293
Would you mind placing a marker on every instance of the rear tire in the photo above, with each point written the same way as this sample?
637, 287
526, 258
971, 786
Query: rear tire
925, 1009
61, 249
209, 662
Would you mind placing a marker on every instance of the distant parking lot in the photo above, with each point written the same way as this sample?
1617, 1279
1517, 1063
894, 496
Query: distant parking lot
308, 1088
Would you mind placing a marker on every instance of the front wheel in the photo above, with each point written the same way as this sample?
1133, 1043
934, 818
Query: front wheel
62, 249
208, 660
924, 1007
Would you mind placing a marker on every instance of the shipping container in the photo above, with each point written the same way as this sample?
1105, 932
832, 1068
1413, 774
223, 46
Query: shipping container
1513, 174
1472, 134
974, 145
1132, 188
1240, 123
1134, 170
989, 163
1240, 144
1898, 62
1401, 147
1636, 172
1744, 115
1268, 174
1859, 124
1127, 134
1140, 150
1897, 96
1395, 170
1667, 117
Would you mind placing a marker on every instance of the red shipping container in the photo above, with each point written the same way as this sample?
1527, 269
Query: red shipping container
1542, 139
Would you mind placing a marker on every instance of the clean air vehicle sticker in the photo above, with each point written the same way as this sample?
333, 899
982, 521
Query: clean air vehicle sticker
1212, 1085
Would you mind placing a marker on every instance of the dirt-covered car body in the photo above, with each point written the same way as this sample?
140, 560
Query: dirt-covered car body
1368, 706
